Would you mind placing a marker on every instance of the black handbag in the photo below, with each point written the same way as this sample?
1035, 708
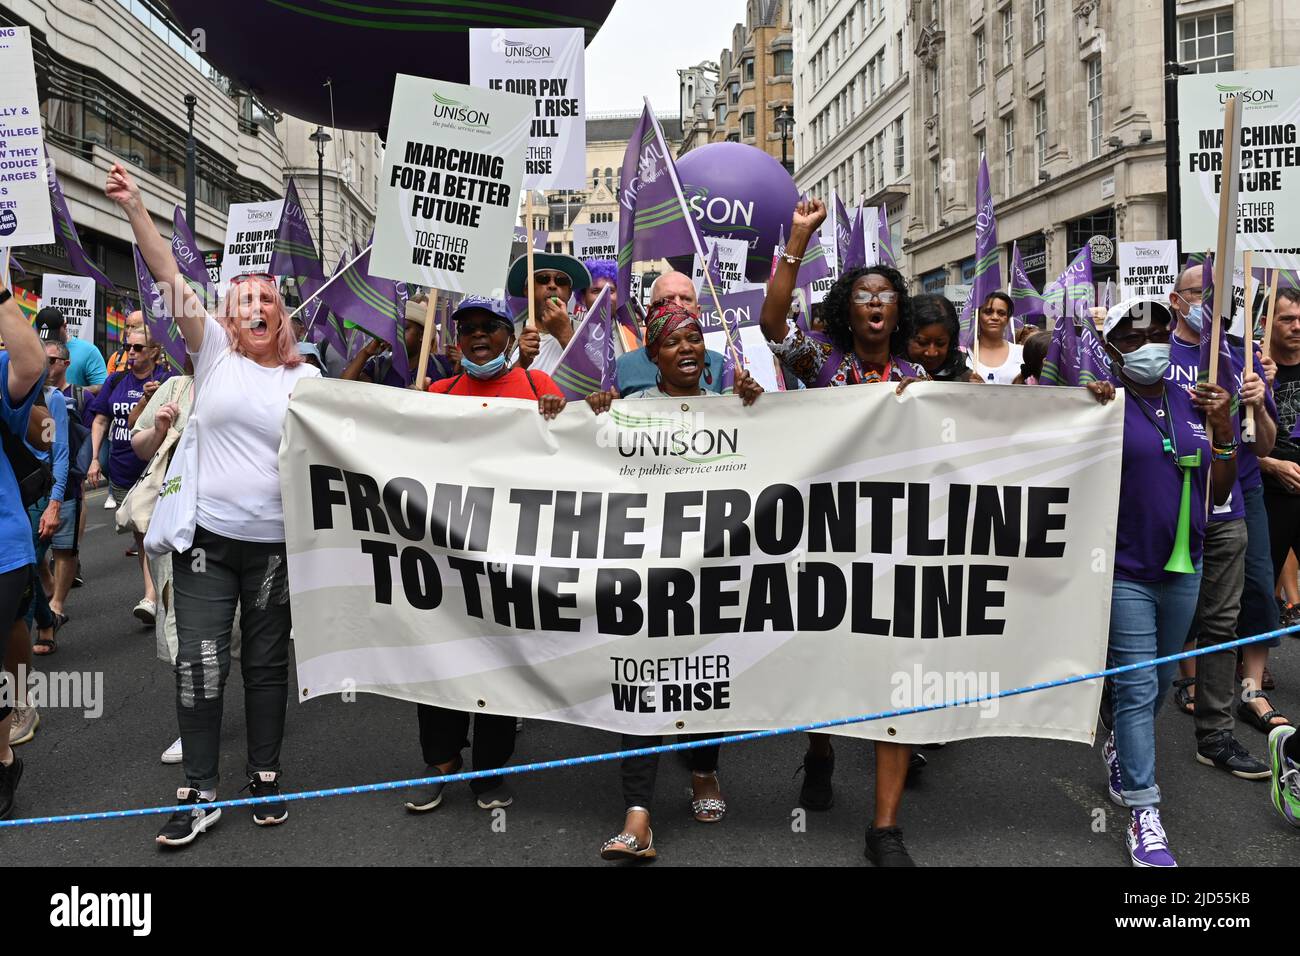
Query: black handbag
35, 477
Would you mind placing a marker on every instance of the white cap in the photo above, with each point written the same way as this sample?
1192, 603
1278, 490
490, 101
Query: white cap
1139, 303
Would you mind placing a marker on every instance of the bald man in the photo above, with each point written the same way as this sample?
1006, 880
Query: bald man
117, 361
636, 372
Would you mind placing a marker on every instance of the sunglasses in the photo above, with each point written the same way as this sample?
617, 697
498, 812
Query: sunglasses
55, 358
552, 278
253, 275
467, 327
137, 347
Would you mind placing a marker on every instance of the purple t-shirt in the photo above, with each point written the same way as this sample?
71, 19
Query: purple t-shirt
116, 399
1151, 486
1184, 366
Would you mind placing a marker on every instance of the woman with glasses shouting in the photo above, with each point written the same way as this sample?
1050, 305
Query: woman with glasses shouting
867, 319
116, 408
246, 364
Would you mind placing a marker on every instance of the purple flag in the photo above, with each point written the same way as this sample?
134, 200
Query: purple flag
988, 275
1071, 293
843, 232
652, 220
1076, 356
855, 255
1094, 363
588, 363
185, 250
373, 304
294, 253
67, 232
884, 241
1029, 304
161, 325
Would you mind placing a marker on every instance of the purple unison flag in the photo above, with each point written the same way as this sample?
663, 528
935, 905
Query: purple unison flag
373, 304
294, 253
855, 254
185, 250
162, 327
1029, 303
813, 266
67, 232
588, 363
842, 224
988, 275
884, 241
1071, 292
1061, 364
652, 220
1094, 363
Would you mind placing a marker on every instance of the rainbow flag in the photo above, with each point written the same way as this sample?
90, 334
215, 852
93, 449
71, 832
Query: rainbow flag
28, 301
115, 323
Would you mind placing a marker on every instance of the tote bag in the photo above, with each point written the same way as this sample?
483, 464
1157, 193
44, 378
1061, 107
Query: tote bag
136, 509
176, 512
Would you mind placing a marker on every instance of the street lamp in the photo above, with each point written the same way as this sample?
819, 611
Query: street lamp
785, 126
320, 138
190, 159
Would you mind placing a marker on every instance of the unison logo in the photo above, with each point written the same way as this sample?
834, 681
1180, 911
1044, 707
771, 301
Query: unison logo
260, 215
514, 48
444, 108
1244, 93
641, 436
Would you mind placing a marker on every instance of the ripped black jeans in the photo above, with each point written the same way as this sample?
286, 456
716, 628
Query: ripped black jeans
208, 581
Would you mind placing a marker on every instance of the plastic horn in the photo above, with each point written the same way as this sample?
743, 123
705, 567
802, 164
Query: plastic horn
1180, 558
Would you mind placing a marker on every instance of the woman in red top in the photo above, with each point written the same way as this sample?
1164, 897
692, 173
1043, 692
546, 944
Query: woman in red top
486, 336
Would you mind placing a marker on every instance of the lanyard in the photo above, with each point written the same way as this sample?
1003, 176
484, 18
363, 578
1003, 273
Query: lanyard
1169, 440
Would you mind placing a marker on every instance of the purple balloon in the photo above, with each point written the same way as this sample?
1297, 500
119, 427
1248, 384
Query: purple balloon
739, 192
285, 52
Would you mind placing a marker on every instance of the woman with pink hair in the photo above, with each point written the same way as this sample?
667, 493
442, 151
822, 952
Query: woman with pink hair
246, 364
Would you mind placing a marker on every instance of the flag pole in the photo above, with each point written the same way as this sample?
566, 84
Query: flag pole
1268, 321
528, 285
328, 282
1248, 426
1225, 251
426, 340
690, 225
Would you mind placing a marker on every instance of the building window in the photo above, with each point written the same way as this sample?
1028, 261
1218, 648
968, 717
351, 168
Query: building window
1009, 154
880, 159
720, 114
1205, 42
899, 147
747, 68
871, 167
981, 145
609, 178
1094, 107
783, 62
981, 55
936, 91
936, 189
1008, 36
747, 125
733, 92
1040, 131
1040, 21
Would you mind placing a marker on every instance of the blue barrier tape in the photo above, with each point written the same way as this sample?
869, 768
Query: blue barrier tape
648, 751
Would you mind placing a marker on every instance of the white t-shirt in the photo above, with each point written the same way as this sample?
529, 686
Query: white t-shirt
240, 406
1005, 373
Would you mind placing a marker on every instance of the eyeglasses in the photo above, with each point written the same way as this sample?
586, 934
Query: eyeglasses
1190, 295
253, 275
864, 297
55, 358
552, 278
1136, 338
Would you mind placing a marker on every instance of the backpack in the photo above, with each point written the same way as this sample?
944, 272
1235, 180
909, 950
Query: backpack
35, 477
79, 444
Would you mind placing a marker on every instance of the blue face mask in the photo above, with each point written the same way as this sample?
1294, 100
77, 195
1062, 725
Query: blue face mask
1195, 317
487, 370
1147, 365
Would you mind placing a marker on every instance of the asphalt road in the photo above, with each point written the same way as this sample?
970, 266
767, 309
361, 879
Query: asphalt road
1001, 802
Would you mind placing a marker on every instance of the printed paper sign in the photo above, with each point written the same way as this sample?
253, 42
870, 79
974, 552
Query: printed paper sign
250, 237
548, 66
595, 240
25, 217
449, 188
1269, 168
1148, 268
74, 296
732, 254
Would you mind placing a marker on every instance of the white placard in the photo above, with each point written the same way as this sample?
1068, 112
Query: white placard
549, 66
25, 217
731, 264
250, 237
1270, 156
449, 189
1147, 268
595, 240
74, 296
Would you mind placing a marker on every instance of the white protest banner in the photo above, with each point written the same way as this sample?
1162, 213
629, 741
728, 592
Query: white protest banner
871, 233
595, 240
549, 66
1147, 268
250, 237
672, 567
1269, 172
449, 187
742, 310
25, 217
732, 254
74, 296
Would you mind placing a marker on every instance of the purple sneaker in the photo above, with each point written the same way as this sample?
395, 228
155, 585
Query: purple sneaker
1147, 843
1114, 785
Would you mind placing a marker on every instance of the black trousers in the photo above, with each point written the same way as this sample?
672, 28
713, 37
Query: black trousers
639, 772
1283, 526
444, 733
15, 595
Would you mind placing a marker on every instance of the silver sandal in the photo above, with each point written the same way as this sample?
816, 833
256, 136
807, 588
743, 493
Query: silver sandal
709, 809
625, 846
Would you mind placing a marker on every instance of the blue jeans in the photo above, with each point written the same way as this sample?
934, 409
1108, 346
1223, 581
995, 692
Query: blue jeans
1146, 621
1258, 605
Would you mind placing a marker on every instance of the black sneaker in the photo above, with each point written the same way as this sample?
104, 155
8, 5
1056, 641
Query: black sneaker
424, 799
9, 777
916, 763
1222, 750
885, 847
266, 783
499, 796
816, 792
185, 825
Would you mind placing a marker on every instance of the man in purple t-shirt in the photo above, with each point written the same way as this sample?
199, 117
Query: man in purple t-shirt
116, 408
